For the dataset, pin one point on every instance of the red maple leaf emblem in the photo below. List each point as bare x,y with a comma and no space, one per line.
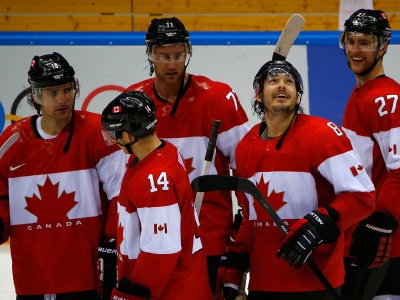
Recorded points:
188,165
49,207
274,199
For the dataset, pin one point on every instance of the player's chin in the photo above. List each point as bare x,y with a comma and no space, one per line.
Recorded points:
357,68
171,75
62,111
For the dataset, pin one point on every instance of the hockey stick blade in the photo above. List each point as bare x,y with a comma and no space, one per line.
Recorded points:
289,34
7,144
208,183
212,142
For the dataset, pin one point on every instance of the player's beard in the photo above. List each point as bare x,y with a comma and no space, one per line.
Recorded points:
175,79
361,68
280,109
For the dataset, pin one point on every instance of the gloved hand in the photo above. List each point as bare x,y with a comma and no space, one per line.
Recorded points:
235,226
307,234
371,241
230,273
127,290
106,269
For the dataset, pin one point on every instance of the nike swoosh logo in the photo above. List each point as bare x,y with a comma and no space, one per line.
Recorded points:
14,168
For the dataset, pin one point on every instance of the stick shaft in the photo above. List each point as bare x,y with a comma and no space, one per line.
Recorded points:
212,142
223,182
7,144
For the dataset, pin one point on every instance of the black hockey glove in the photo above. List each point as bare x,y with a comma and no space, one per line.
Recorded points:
230,274
127,290
371,241
106,269
307,234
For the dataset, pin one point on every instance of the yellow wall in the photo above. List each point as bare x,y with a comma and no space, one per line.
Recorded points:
197,15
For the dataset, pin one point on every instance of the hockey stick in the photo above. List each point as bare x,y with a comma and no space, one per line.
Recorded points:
7,144
288,36
209,183
207,161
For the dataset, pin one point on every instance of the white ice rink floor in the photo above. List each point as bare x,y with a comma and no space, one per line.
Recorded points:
7,291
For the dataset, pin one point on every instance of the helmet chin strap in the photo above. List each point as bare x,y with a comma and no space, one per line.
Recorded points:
151,68
128,146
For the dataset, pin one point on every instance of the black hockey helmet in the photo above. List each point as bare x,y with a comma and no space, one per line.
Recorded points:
166,31
272,67
368,21
133,112
50,70
163,32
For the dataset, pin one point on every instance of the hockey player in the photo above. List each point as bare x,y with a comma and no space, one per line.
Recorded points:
305,167
52,182
160,251
372,122
186,107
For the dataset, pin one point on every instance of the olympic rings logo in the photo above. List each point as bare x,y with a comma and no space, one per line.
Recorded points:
13,115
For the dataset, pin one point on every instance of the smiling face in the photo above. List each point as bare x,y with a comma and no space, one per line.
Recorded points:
362,50
279,94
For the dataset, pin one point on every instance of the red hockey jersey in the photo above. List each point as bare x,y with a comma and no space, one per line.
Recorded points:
50,202
372,122
158,243
189,130
314,167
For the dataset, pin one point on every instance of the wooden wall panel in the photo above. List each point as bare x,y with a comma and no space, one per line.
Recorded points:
255,23
243,23
66,23
233,6
197,15
78,6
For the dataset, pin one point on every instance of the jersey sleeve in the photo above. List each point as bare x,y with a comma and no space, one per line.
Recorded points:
383,113
234,125
4,191
338,164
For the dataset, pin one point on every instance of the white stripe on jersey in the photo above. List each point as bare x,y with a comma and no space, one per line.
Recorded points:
193,147
130,244
300,198
389,143
82,183
167,241
363,147
109,165
231,137
342,178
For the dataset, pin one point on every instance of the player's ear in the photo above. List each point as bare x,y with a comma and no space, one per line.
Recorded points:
34,98
258,95
384,49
